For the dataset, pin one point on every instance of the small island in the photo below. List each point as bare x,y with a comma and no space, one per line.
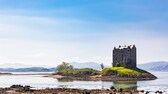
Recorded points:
124,68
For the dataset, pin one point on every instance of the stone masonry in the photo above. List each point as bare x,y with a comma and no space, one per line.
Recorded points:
124,56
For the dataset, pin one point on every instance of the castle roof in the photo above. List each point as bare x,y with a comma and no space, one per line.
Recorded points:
125,46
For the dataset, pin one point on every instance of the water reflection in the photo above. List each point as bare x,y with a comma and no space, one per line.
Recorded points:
116,84
125,84
65,80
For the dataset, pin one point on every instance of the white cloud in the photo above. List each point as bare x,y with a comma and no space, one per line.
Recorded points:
40,40
38,55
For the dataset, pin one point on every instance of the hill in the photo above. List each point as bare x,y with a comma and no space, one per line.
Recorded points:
155,66
31,69
19,65
76,65
92,65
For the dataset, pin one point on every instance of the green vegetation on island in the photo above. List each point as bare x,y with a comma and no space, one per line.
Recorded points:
114,73
123,70
66,69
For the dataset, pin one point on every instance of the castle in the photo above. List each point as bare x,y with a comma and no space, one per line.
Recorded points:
124,56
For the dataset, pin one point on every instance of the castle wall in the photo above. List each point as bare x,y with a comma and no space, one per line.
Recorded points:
125,57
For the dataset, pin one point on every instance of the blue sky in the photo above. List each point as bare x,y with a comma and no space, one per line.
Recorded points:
49,32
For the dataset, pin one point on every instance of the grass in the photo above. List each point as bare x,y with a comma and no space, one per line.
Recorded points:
86,71
125,87
118,70
125,82
83,71
123,70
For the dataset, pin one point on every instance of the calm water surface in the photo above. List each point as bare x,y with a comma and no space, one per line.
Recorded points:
37,81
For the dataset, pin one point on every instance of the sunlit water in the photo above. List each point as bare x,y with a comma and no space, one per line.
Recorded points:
37,81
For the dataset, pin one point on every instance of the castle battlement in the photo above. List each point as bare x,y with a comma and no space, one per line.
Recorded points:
124,56
125,47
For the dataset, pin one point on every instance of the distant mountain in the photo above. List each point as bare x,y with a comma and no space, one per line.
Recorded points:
19,65
87,65
31,69
155,66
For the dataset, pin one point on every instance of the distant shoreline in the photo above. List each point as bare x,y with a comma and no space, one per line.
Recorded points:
26,74
5,73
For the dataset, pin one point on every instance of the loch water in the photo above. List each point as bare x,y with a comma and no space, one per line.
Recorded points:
38,82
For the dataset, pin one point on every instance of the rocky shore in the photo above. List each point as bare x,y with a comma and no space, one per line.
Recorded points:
19,89
145,76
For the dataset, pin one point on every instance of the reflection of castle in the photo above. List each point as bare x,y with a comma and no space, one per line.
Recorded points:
127,84
124,56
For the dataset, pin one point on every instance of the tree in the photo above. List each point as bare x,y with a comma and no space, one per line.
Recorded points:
102,66
64,66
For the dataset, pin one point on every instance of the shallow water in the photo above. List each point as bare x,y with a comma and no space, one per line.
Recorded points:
37,81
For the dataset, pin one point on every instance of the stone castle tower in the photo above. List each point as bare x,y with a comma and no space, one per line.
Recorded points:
124,56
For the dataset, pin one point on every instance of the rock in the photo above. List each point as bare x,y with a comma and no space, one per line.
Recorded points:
112,87
142,91
160,92
16,86
147,92
21,88
120,90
